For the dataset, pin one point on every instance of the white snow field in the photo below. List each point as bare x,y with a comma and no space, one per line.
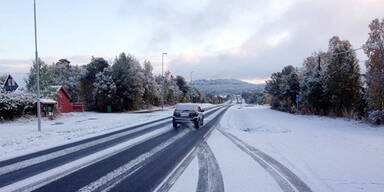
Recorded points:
328,154
21,136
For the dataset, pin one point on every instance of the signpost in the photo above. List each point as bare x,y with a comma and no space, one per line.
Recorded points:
297,102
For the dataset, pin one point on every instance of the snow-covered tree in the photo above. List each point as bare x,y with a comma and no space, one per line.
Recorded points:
88,76
283,87
273,87
151,88
172,93
312,83
104,91
374,48
66,75
343,83
129,77
44,77
195,96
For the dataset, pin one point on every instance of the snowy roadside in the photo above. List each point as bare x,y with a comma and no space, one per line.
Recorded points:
21,136
329,154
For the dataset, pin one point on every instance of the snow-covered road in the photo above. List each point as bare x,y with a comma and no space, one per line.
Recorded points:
241,148
21,136
140,142
295,153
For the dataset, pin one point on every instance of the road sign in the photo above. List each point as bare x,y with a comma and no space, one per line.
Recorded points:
297,97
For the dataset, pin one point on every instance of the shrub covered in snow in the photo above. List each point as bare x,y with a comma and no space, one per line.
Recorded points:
15,104
376,117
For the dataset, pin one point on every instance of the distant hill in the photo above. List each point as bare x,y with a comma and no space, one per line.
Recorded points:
225,86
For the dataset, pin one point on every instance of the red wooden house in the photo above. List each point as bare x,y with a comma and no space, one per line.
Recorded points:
63,99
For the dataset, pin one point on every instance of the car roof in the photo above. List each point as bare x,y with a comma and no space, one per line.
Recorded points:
186,106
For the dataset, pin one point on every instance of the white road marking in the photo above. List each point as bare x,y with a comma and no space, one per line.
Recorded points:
29,162
51,175
127,167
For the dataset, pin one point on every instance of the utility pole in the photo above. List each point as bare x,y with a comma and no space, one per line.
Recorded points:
162,74
37,73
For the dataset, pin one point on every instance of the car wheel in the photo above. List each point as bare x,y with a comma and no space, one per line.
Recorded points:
197,124
174,124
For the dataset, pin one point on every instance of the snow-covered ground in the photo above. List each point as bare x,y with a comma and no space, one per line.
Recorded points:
328,154
21,136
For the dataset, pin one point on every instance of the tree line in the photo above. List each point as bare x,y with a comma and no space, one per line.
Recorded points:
124,84
331,82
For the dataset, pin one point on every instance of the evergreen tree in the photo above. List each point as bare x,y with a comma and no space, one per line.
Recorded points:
88,79
312,83
273,87
183,87
343,85
129,77
104,91
44,77
290,87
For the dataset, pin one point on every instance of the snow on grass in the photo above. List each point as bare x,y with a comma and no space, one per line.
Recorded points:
329,154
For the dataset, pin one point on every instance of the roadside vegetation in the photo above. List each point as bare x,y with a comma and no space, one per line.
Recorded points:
331,83
124,85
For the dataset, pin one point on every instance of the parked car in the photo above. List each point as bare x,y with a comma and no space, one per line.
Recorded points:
188,113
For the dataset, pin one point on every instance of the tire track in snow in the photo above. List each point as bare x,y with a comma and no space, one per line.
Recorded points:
167,184
210,177
287,180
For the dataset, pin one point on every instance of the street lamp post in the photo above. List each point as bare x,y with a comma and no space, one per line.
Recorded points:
162,74
37,72
191,75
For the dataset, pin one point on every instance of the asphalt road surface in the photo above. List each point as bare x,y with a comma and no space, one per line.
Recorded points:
140,167
147,157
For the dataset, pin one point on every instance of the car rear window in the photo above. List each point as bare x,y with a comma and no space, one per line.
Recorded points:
181,107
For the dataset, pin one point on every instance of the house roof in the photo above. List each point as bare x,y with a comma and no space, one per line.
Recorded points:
57,88
47,101
6,80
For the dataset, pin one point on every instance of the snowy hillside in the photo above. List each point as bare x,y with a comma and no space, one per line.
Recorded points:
224,86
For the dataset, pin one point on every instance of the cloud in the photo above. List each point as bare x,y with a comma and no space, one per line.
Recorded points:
244,39
301,30
175,23
14,65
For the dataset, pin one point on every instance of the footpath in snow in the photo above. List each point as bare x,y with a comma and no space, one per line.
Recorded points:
327,154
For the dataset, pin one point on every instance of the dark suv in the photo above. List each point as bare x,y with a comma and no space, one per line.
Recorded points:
188,113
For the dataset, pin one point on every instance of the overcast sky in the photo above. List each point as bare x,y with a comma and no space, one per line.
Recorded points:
242,39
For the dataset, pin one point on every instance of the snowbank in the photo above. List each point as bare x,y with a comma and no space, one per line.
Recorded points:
329,154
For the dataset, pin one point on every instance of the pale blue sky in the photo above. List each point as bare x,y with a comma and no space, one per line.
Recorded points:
244,39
